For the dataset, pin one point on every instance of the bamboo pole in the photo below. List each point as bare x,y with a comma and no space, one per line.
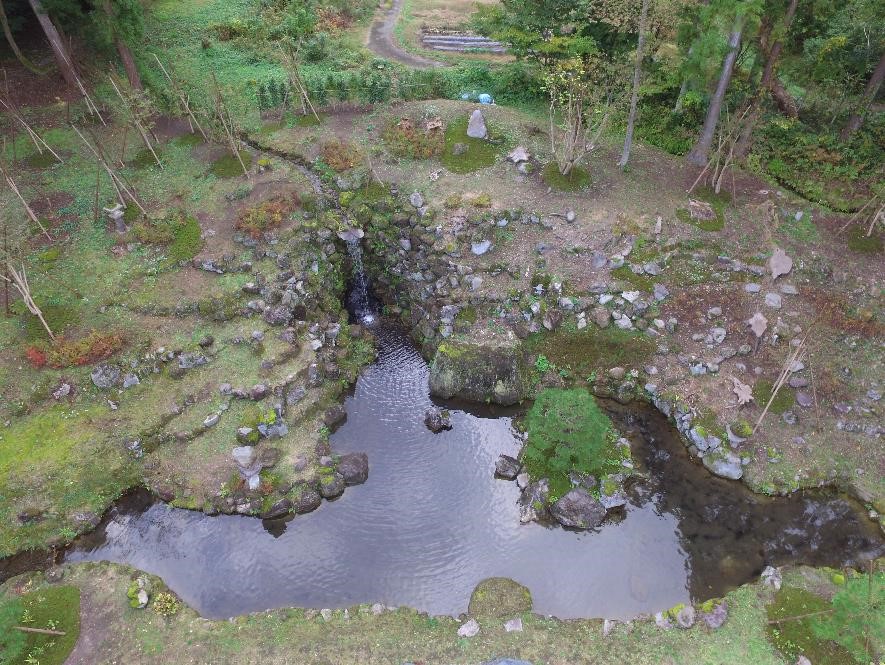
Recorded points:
11,183
135,121
185,104
40,631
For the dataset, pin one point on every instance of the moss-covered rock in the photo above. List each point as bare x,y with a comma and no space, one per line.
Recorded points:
491,368
499,597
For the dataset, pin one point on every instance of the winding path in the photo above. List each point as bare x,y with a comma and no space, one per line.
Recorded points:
383,42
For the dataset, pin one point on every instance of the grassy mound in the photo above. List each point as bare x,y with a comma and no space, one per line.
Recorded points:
499,597
52,608
229,166
188,140
577,179
477,153
569,432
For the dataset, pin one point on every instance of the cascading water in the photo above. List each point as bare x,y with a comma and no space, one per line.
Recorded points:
359,301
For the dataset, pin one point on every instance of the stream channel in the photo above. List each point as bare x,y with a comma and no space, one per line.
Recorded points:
432,521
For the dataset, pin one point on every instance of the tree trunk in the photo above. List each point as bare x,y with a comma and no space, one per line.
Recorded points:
768,73
701,151
637,75
26,63
122,48
62,57
855,120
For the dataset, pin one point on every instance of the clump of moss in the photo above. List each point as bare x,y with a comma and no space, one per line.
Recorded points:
796,637
188,139
143,160
470,154
186,243
741,427
638,282
860,243
467,315
50,256
229,166
40,160
762,391
59,318
717,201
569,432
577,179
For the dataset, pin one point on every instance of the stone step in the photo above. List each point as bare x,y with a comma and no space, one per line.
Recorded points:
456,38
465,48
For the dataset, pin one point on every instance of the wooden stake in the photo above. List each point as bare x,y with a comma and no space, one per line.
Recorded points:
11,183
192,119
135,121
41,631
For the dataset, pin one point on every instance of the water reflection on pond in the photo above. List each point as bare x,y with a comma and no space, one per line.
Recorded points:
432,521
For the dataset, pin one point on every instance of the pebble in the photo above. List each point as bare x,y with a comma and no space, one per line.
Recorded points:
798,382
469,629
773,300
790,418
804,399
660,292
513,625
789,289
874,394
713,312
605,298
211,420
752,287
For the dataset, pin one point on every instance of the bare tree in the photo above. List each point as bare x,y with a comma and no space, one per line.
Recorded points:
637,76
699,155
62,56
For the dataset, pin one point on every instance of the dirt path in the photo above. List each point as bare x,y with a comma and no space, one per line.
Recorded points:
383,42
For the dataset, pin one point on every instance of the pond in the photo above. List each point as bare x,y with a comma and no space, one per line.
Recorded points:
432,521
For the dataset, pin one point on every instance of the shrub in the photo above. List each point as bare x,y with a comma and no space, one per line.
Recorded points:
340,155
165,604
267,215
65,352
577,179
568,432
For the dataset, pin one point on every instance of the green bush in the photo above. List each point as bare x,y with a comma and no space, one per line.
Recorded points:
568,432
577,179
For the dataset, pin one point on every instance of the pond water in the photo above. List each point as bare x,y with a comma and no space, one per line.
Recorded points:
432,521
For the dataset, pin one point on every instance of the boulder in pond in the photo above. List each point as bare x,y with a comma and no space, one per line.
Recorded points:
331,485
489,367
354,468
280,508
533,500
499,597
507,467
724,463
307,501
437,420
577,509
476,126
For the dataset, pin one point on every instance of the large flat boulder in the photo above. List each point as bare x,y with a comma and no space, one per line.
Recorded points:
577,509
487,368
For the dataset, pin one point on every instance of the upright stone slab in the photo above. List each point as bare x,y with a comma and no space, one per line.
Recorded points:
476,128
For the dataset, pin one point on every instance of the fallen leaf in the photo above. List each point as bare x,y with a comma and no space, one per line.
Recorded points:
743,391
758,324
779,263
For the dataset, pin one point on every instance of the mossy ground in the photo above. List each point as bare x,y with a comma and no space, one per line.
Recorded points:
577,179
719,202
861,243
762,391
278,637
582,352
480,153
229,166
54,608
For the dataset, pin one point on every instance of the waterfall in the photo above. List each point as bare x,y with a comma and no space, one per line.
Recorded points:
359,294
